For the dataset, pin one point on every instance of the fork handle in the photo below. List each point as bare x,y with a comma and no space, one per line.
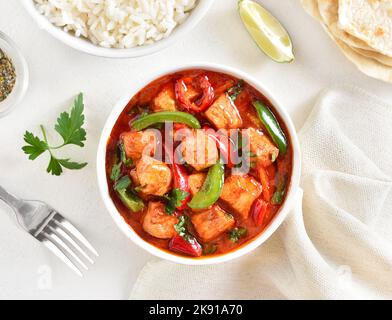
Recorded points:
9,199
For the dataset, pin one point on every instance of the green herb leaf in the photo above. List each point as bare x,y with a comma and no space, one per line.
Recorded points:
237,233
280,192
68,164
35,146
139,111
235,91
278,196
122,183
54,167
209,248
182,229
175,197
182,226
124,159
69,126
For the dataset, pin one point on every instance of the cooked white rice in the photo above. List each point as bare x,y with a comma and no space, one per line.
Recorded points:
117,23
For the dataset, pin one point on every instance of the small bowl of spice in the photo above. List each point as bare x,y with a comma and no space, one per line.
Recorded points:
13,75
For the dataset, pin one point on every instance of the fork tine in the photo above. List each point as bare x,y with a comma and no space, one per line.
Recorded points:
65,248
68,246
72,231
47,242
61,233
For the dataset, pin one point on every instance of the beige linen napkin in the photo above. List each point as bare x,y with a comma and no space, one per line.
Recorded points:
337,241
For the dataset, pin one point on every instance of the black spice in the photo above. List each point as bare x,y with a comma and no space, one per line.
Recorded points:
7,76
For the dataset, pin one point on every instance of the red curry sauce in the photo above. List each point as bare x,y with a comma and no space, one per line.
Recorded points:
220,83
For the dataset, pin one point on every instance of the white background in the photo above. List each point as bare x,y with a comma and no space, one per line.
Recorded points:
58,73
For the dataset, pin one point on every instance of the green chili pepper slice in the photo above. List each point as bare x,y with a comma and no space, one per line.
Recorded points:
211,189
272,125
130,200
165,116
127,196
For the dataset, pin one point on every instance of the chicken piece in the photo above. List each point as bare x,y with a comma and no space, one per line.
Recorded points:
165,100
212,222
134,177
191,93
223,113
199,150
239,192
263,151
138,143
157,223
196,181
248,112
154,176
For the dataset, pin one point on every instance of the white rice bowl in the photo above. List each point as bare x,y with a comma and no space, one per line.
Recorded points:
119,24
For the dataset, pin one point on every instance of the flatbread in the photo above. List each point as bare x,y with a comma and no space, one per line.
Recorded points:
357,50
311,7
374,55
368,66
329,12
370,21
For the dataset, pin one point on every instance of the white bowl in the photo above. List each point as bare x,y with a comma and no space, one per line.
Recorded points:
88,47
17,94
252,244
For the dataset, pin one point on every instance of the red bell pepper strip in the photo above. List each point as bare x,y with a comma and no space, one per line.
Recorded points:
181,182
200,82
181,179
190,246
223,143
264,179
259,211
223,88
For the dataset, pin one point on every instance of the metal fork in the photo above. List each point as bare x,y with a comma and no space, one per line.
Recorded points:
53,230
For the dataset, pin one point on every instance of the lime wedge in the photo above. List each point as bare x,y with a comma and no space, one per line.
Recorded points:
271,37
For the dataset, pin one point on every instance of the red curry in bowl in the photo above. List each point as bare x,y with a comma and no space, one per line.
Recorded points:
198,163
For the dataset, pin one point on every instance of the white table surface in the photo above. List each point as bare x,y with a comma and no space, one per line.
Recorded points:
58,73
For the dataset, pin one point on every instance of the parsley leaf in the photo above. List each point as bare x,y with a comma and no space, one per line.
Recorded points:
69,126
280,192
116,168
278,196
209,248
182,229
175,198
138,111
127,162
235,91
182,226
54,167
68,164
35,146
237,233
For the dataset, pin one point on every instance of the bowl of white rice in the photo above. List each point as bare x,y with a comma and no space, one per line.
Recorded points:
117,28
